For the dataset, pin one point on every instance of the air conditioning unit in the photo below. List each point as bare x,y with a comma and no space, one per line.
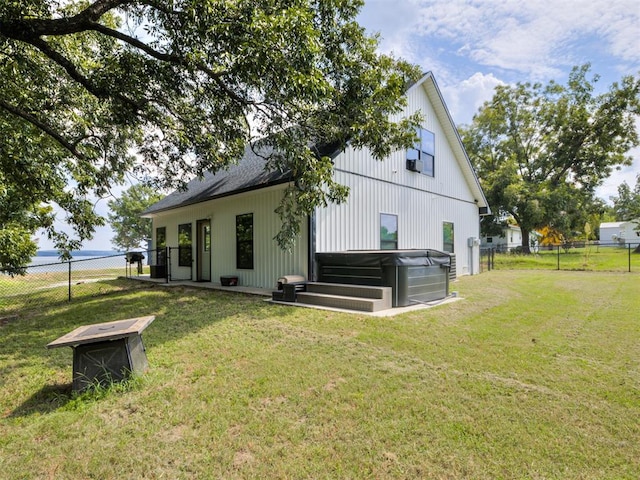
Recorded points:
414,165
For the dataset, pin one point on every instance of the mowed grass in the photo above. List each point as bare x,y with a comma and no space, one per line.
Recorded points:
42,288
530,375
591,258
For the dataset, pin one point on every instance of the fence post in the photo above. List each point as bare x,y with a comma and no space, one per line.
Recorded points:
69,280
629,248
558,257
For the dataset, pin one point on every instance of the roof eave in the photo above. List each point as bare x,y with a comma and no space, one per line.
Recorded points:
153,213
428,80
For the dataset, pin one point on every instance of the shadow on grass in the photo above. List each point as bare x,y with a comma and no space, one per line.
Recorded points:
179,312
46,400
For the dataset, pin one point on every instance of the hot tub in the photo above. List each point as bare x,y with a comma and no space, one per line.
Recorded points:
415,276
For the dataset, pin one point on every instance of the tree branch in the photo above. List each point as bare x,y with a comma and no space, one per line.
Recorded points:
66,64
44,127
165,57
31,31
73,72
26,29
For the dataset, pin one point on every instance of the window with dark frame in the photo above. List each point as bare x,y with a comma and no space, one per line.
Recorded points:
184,245
161,244
244,241
447,237
424,151
388,231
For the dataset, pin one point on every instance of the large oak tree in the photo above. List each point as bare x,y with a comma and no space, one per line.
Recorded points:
541,151
167,90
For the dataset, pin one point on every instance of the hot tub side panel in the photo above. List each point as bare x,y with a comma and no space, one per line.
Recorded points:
414,276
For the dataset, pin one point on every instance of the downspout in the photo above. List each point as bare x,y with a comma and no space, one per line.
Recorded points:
311,247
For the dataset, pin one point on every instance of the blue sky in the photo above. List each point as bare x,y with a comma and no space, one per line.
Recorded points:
472,46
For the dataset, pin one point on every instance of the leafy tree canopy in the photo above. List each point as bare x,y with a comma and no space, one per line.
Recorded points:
540,151
92,90
131,229
626,206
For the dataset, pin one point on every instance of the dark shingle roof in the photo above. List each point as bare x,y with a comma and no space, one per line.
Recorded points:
248,174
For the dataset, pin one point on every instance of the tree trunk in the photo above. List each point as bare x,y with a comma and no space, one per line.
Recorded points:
526,247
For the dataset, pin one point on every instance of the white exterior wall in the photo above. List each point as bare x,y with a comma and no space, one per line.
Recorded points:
622,232
512,239
270,262
422,203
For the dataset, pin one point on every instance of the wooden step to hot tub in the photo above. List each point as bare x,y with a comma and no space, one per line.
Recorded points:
350,297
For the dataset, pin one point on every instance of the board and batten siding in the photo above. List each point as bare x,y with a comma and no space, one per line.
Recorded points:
422,203
270,262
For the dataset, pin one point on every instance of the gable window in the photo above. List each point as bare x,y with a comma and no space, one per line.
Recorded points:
388,232
421,158
184,245
244,241
447,237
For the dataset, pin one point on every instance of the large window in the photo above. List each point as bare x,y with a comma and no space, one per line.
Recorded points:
184,245
244,241
424,151
388,232
447,237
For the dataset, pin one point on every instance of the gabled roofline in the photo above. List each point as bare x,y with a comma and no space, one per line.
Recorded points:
151,212
444,116
256,180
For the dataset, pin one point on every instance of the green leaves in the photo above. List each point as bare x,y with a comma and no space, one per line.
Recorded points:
95,90
131,230
626,204
540,151
16,248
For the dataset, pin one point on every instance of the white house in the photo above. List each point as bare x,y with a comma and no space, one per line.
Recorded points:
619,232
510,239
423,198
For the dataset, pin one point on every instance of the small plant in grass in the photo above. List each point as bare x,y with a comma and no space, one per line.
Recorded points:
98,389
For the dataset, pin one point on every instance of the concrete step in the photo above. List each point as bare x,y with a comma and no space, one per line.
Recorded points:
360,291
345,302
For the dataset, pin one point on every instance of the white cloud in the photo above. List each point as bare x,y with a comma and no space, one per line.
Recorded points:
395,21
538,37
473,45
466,97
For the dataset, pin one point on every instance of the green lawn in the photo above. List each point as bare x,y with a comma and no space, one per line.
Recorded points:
532,374
43,287
592,258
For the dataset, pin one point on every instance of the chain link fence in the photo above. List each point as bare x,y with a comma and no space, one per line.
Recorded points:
595,256
48,281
